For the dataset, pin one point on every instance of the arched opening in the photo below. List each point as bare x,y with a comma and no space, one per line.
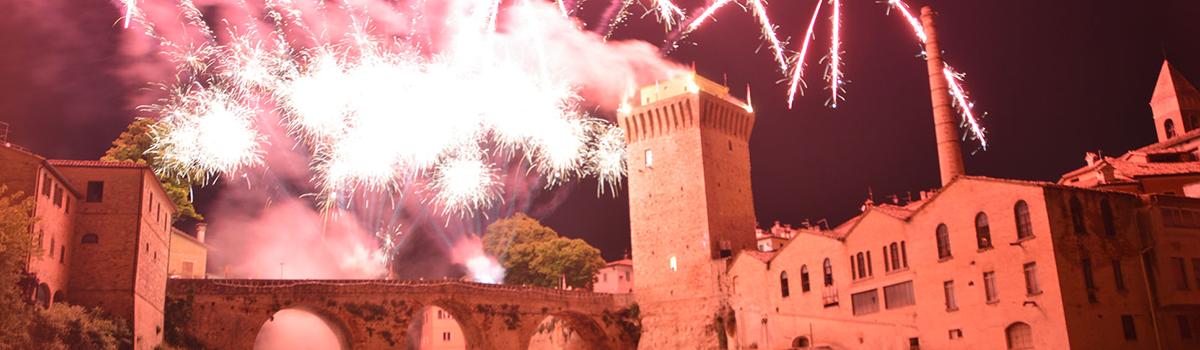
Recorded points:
983,233
804,278
298,328
435,328
566,331
59,297
1169,128
1024,224
42,296
1106,215
1077,221
800,342
943,242
1019,335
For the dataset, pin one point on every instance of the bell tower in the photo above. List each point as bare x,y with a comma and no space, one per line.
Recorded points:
1176,104
690,205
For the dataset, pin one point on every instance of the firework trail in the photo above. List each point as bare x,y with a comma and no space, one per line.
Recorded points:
614,16
768,32
834,74
962,101
798,63
708,12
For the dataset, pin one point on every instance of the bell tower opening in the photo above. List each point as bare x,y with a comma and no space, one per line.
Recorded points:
1176,104
690,203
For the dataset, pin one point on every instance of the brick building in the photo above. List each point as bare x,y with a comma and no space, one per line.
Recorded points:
103,229
1108,257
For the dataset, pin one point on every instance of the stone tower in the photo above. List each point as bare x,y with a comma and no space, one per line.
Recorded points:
690,206
1176,104
950,161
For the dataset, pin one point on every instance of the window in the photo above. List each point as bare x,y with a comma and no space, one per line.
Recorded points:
865,302
804,278
1088,280
604,277
51,250
95,191
1185,327
989,287
983,234
187,267
62,254
862,266
1106,215
951,303
1024,224
1169,128
886,265
783,284
1181,281
674,265
1019,335
828,269
1077,216
895,250
899,295
1118,275
1129,327
649,159
91,238
58,196
956,334
46,185
943,242
445,336
1031,281
1196,270
870,271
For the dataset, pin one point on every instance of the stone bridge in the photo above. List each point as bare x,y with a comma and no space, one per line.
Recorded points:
376,314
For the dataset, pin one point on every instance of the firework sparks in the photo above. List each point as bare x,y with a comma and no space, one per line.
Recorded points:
668,13
208,132
704,16
835,54
129,8
464,184
768,33
798,63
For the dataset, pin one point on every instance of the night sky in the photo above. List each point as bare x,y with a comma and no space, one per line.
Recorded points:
1056,78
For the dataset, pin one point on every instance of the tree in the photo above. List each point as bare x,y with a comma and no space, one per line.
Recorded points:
533,254
131,146
16,245
72,327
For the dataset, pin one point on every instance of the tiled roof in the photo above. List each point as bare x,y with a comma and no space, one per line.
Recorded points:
620,262
94,164
1128,170
895,211
761,256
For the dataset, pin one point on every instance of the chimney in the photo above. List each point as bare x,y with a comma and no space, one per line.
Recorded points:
201,229
945,126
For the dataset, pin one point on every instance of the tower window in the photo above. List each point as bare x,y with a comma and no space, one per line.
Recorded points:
1169,128
95,191
91,238
1129,327
649,159
674,264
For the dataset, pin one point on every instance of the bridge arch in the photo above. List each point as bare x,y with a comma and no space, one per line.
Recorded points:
443,316
301,327
567,330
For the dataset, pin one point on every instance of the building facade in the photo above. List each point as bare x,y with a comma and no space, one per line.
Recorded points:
1108,257
103,231
615,278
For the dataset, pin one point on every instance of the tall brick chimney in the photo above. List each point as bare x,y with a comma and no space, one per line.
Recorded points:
945,126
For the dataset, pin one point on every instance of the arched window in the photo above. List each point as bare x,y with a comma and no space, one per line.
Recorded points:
983,234
1019,336
59,297
804,278
91,238
943,241
1106,214
1077,216
43,295
800,342
783,284
1024,225
1169,128
828,272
